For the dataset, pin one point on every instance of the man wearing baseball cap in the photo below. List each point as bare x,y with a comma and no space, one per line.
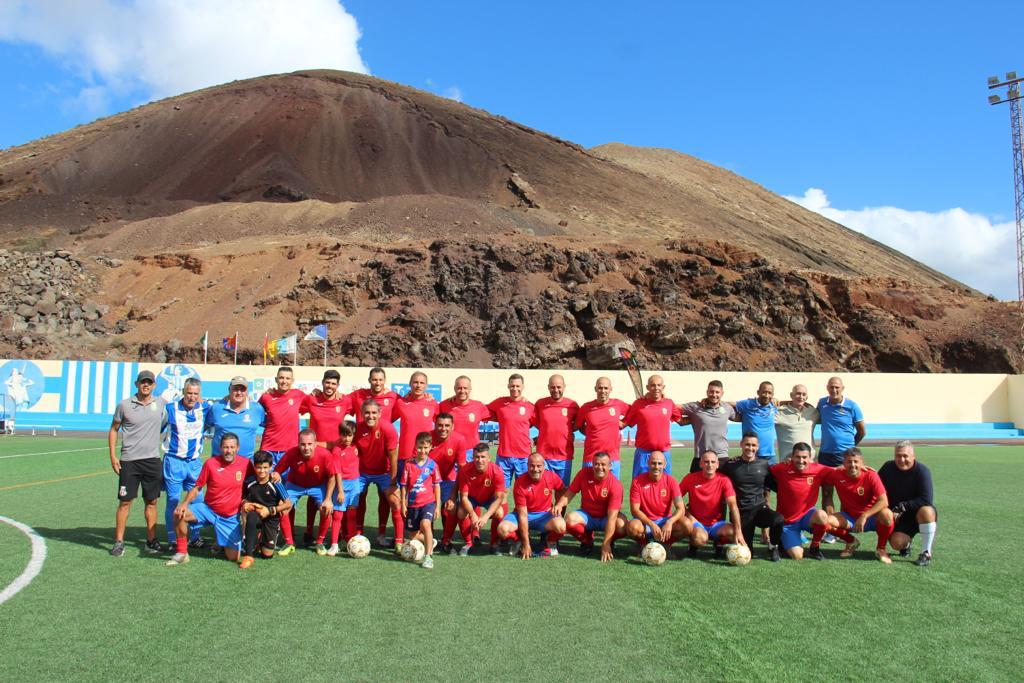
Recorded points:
236,414
140,419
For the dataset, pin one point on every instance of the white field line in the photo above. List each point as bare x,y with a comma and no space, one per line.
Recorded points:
73,450
35,563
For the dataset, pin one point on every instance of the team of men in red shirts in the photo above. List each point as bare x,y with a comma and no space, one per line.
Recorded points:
334,462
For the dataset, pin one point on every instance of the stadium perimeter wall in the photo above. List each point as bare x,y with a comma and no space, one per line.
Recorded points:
83,393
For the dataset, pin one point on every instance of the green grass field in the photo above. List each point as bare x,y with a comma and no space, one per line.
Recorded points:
89,616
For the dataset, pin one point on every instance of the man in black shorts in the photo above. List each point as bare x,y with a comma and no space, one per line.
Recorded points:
750,478
908,485
140,419
263,503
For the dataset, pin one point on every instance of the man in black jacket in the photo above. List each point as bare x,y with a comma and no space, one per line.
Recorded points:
908,485
751,478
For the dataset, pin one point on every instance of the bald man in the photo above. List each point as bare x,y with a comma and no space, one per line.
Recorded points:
652,415
467,412
794,423
555,419
600,421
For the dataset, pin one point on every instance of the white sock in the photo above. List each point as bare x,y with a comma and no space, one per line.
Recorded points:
927,536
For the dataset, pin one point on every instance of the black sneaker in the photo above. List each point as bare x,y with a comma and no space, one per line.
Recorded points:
692,551
307,539
905,552
153,547
503,546
814,553
496,550
773,554
923,560
197,543
118,549
446,548
586,549
719,552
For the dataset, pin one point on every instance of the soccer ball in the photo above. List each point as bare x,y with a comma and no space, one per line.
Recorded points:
358,546
654,554
413,551
738,555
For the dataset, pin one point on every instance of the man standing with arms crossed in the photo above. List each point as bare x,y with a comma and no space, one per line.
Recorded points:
141,418
600,421
710,421
555,419
652,416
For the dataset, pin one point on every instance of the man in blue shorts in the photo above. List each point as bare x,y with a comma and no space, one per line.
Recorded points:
601,498
236,414
758,417
798,483
656,504
534,494
183,449
224,478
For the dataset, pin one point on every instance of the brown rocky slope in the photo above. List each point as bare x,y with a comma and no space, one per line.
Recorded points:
425,232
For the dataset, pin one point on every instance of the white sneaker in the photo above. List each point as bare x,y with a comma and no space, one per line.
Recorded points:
829,538
515,549
333,550
428,562
434,547
176,559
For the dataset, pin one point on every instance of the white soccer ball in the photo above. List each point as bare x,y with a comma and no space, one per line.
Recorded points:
738,555
654,554
414,551
358,546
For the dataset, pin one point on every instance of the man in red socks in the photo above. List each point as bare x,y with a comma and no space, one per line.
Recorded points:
865,506
600,421
305,470
481,486
376,442
327,408
798,482
656,504
448,450
341,500
555,420
466,412
534,494
282,406
708,494
600,501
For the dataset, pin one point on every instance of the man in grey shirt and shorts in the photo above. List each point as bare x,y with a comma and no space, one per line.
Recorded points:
710,421
140,419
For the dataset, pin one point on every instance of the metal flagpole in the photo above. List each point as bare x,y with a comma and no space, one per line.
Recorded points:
206,346
325,348
236,347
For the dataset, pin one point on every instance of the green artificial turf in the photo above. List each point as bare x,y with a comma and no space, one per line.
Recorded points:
89,616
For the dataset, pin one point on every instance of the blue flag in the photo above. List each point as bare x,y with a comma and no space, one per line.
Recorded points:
318,333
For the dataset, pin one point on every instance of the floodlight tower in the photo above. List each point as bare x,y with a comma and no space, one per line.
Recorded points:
1013,98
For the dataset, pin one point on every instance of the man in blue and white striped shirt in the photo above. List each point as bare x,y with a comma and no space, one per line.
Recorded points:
183,446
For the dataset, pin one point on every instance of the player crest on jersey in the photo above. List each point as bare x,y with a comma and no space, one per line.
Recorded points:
238,476
450,451
387,401
337,409
664,411
426,412
565,412
487,482
604,493
291,401
611,411
376,434
152,407
245,418
810,481
316,468
522,410
860,490
472,417
664,492
547,491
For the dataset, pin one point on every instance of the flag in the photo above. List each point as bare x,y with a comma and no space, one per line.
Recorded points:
270,348
286,344
318,333
230,343
204,340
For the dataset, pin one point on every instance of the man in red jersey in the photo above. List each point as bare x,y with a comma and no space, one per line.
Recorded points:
657,506
513,413
481,486
555,420
600,501
652,416
282,406
326,407
708,494
223,476
448,450
376,442
798,482
600,421
865,505
305,469
379,392
467,412
414,413
534,494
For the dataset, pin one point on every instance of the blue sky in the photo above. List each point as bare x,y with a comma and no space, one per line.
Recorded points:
872,113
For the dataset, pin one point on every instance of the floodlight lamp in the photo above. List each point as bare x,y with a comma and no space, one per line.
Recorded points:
993,80
1011,75
993,99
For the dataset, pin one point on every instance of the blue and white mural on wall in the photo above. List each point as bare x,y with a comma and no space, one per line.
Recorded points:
171,381
95,387
22,382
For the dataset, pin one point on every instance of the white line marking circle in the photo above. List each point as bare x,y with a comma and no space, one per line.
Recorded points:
73,450
35,564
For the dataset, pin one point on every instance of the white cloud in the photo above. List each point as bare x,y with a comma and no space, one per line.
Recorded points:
963,245
452,92
167,47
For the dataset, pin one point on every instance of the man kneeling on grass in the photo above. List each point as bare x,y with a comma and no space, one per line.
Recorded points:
265,502
223,476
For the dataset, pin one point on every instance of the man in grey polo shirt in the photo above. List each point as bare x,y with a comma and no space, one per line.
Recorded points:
794,423
140,419
710,421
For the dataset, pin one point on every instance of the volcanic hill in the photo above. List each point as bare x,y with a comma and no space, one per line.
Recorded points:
425,232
